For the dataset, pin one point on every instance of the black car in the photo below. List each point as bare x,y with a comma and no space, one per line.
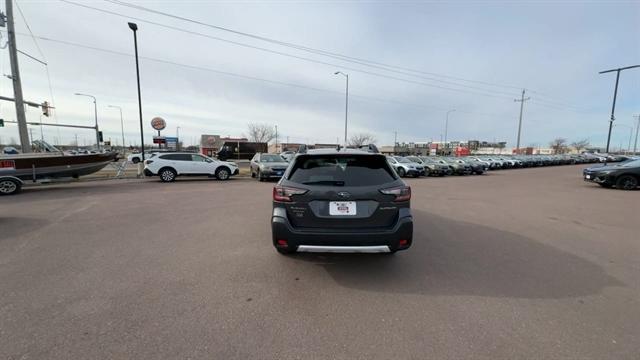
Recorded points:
341,200
476,167
624,176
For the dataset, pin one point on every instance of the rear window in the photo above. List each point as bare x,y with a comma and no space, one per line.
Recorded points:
341,170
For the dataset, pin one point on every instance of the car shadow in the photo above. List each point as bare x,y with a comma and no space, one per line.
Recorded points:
451,257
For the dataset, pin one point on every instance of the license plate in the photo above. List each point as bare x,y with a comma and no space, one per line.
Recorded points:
344,208
587,176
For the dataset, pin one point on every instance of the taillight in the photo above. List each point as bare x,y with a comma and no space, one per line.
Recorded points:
147,162
284,193
402,193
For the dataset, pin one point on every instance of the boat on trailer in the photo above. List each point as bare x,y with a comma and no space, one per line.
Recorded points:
52,163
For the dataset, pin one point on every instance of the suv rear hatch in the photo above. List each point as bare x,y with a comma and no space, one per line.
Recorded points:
343,191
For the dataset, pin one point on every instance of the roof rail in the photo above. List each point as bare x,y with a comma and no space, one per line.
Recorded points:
302,149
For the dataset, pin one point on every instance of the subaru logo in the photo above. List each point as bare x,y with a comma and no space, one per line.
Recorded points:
344,194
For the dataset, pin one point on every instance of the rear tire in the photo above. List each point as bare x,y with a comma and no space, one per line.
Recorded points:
167,175
10,187
135,160
223,173
627,182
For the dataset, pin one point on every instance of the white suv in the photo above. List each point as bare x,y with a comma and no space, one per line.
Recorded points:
170,165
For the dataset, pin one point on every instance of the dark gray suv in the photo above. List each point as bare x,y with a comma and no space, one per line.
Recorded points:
343,200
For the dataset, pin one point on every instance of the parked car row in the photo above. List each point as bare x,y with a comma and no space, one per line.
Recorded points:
479,164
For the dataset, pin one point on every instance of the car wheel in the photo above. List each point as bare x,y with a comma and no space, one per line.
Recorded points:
167,175
135,160
401,172
253,175
223,173
627,182
10,187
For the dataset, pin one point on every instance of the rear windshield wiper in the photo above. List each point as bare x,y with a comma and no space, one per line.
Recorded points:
325,182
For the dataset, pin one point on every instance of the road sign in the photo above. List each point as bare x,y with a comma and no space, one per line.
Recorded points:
159,140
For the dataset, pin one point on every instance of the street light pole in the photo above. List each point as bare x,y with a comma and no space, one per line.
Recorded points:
95,111
446,127
121,124
134,28
346,105
635,144
178,138
276,138
615,95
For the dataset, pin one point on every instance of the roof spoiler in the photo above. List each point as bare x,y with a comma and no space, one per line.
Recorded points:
370,148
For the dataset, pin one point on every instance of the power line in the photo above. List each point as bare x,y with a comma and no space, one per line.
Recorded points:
247,77
481,91
378,65
306,48
46,65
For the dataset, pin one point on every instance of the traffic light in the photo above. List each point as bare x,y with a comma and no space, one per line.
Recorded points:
45,108
100,136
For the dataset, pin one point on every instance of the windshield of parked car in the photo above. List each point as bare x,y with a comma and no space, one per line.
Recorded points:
341,170
403,160
272,158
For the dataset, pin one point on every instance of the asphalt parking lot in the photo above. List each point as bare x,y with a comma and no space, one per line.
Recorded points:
530,263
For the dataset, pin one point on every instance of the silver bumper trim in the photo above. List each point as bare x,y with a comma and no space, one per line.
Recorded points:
344,249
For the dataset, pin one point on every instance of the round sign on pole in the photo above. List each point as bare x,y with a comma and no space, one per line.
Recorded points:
158,123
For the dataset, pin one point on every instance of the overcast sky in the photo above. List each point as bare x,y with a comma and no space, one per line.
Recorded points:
554,49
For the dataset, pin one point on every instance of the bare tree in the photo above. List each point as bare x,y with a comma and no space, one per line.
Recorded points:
260,132
580,144
361,139
559,145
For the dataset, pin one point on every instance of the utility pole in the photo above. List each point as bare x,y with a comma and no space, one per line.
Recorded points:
15,79
395,141
635,144
521,101
446,128
615,95
346,104
276,138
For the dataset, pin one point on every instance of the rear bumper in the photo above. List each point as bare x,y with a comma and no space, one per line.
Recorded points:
338,239
148,172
